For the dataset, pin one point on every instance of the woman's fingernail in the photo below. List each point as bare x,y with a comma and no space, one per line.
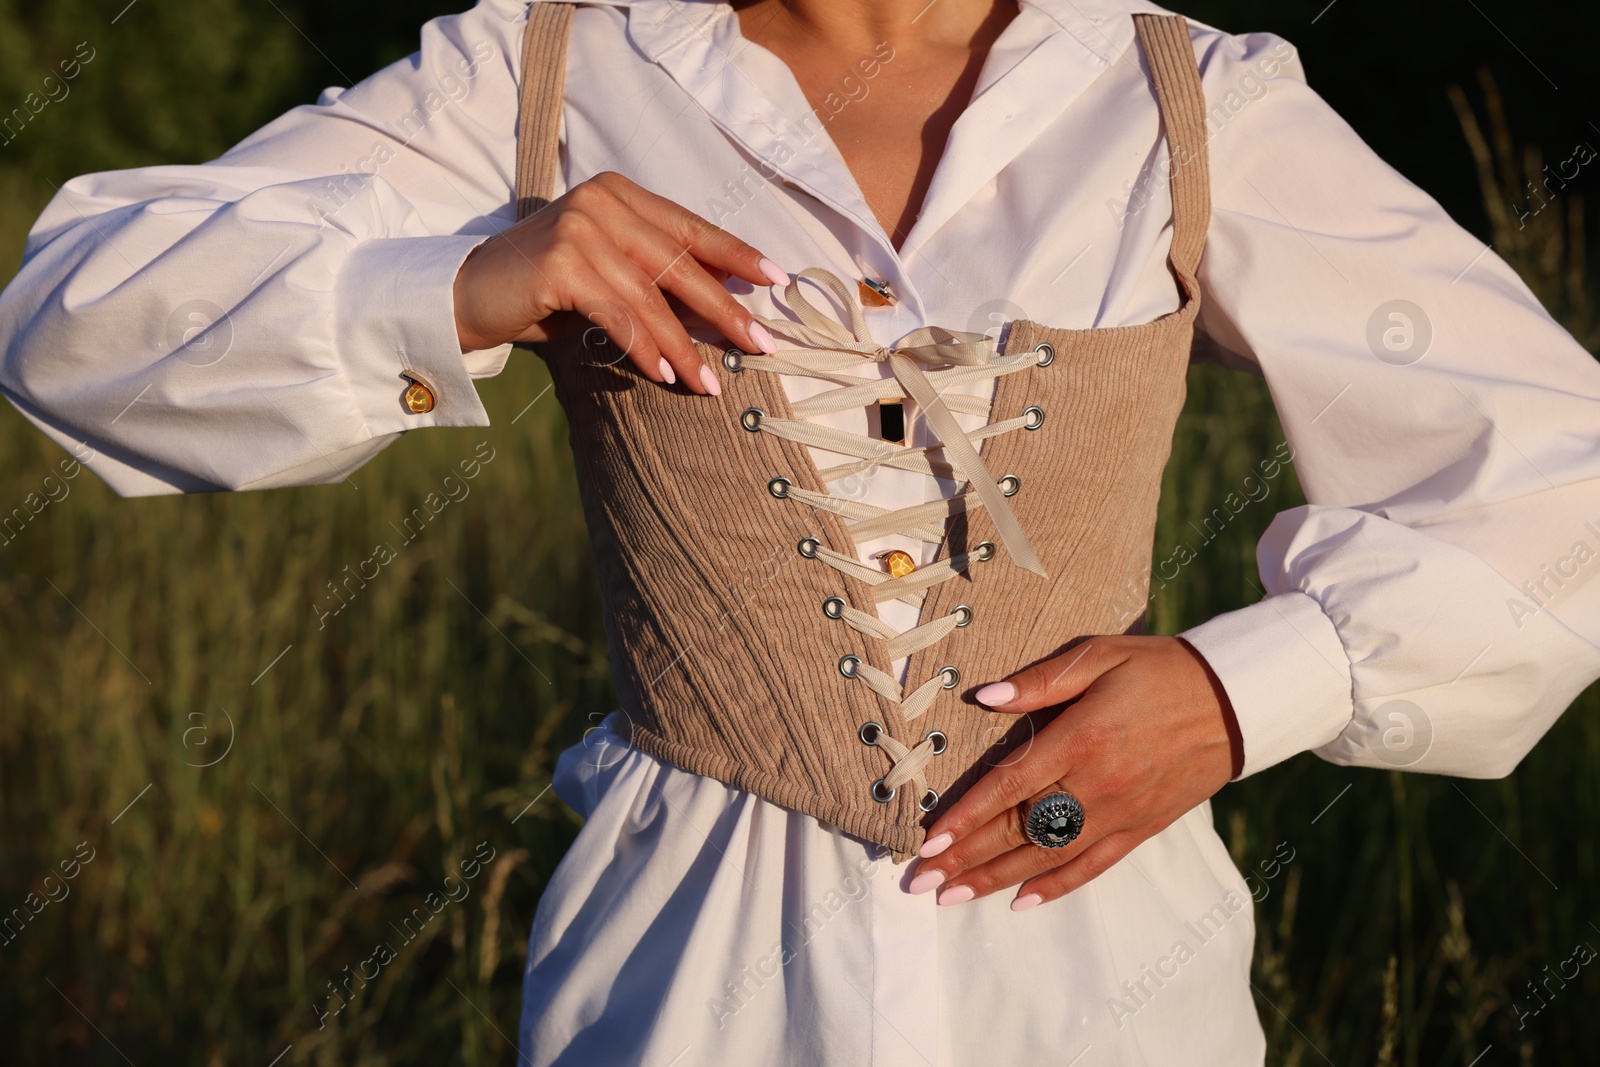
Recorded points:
996,693
667,372
763,339
770,269
1026,901
956,894
935,845
925,881
709,380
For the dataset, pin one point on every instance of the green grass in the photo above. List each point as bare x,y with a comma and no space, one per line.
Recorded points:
371,758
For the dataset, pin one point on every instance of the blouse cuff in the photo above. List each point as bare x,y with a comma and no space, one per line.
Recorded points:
1285,671
395,311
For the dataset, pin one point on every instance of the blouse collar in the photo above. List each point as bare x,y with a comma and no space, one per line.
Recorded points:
1047,64
1100,26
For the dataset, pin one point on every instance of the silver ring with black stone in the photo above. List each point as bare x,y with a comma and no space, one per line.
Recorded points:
1054,820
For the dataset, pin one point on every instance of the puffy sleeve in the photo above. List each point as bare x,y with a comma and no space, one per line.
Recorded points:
246,322
1435,605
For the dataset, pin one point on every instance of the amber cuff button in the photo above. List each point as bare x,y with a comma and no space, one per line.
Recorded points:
419,395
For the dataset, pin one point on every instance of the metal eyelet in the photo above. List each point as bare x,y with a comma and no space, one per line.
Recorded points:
1033,417
750,419
849,666
1010,485
940,741
733,359
808,546
963,613
881,793
833,607
870,732
929,801
983,551
779,487
1046,353
951,676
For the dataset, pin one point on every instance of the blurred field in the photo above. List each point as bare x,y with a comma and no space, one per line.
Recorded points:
352,767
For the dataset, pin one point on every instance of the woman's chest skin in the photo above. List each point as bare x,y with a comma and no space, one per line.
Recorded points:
893,130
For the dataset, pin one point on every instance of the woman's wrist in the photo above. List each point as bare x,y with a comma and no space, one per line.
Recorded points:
1230,721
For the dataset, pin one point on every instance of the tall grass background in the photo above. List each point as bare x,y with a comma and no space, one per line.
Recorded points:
367,758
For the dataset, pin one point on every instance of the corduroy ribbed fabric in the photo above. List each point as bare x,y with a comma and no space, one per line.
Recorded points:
544,76
723,659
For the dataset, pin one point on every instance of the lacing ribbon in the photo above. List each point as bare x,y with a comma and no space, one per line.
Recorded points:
931,344
828,351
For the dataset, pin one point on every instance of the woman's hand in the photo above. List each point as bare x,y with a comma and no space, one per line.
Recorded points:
1150,736
603,254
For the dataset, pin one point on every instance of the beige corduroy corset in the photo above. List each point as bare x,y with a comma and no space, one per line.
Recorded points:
743,629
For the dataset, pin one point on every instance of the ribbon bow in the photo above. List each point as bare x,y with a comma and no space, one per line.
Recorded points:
930,344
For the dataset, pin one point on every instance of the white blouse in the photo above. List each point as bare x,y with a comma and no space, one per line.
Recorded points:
242,324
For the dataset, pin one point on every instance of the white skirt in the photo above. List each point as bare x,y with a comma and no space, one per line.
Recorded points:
693,923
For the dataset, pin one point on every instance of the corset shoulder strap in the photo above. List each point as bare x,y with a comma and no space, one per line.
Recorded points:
544,78
1170,57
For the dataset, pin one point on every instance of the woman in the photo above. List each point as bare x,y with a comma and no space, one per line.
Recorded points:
982,204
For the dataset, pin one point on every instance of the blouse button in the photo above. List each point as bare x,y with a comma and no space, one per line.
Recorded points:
898,563
419,396
875,294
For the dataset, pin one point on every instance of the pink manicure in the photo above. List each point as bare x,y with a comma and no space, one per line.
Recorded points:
996,693
935,845
763,339
667,372
709,380
773,273
1026,901
925,881
957,894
